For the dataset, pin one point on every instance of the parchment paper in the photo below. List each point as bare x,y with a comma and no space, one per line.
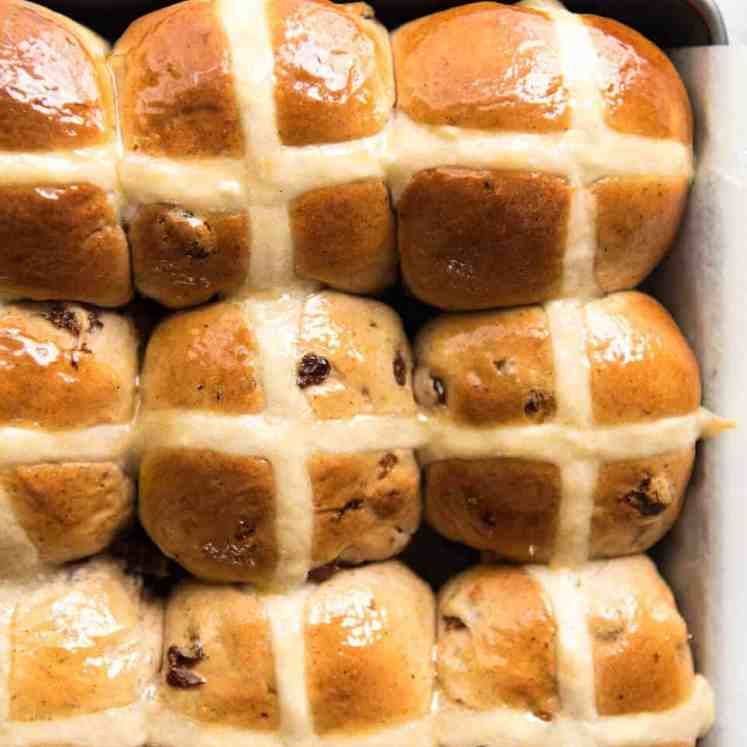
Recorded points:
704,284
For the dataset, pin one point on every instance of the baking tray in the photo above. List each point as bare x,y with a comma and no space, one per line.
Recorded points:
670,23
701,282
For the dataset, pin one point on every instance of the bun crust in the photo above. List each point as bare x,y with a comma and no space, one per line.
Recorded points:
252,400
488,87
54,93
81,643
643,94
69,511
227,632
65,367
497,641
470,237
481,375
333,72
385,677
175,84
62,242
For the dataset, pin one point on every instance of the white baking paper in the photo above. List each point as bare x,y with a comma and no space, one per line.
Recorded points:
704,284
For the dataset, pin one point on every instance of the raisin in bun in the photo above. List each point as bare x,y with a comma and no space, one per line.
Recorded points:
59,231
538,154
278,436
561,432
67,398
80,648
530,656
253,147
348,661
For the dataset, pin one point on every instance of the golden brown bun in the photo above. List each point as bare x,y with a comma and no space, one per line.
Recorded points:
344,236
366,506
386,677
642,367
491,368
176,91
62,242
65,366
82,642
637,501
640,644
225,635
637,221
506,505
498,634
181,258
71,510
496,369
370,357
220,522
643,94
460,67
213,513
54,90
203,360
474,238
333,71
496,642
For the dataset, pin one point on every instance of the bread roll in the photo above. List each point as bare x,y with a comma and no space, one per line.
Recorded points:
278,437
79,648
253,148
530,656
344,662
538,154
67,398
59,231
561,432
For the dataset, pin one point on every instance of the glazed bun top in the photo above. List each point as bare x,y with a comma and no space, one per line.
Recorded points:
80,646
178,82
346,660
537,154
593,649
506,367
459,68
54,87
65,367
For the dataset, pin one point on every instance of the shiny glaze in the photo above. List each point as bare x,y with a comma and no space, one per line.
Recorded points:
75,650
509,80
53,384
495,368
331,70
378,621
641,653
238,667
642,367
642,91
203,360
174,77
50,89
361,339
496,642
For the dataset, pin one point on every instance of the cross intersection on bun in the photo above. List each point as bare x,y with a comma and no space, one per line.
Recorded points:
278,437
523,655
537,154
259,160
561,432
532,154
254,137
